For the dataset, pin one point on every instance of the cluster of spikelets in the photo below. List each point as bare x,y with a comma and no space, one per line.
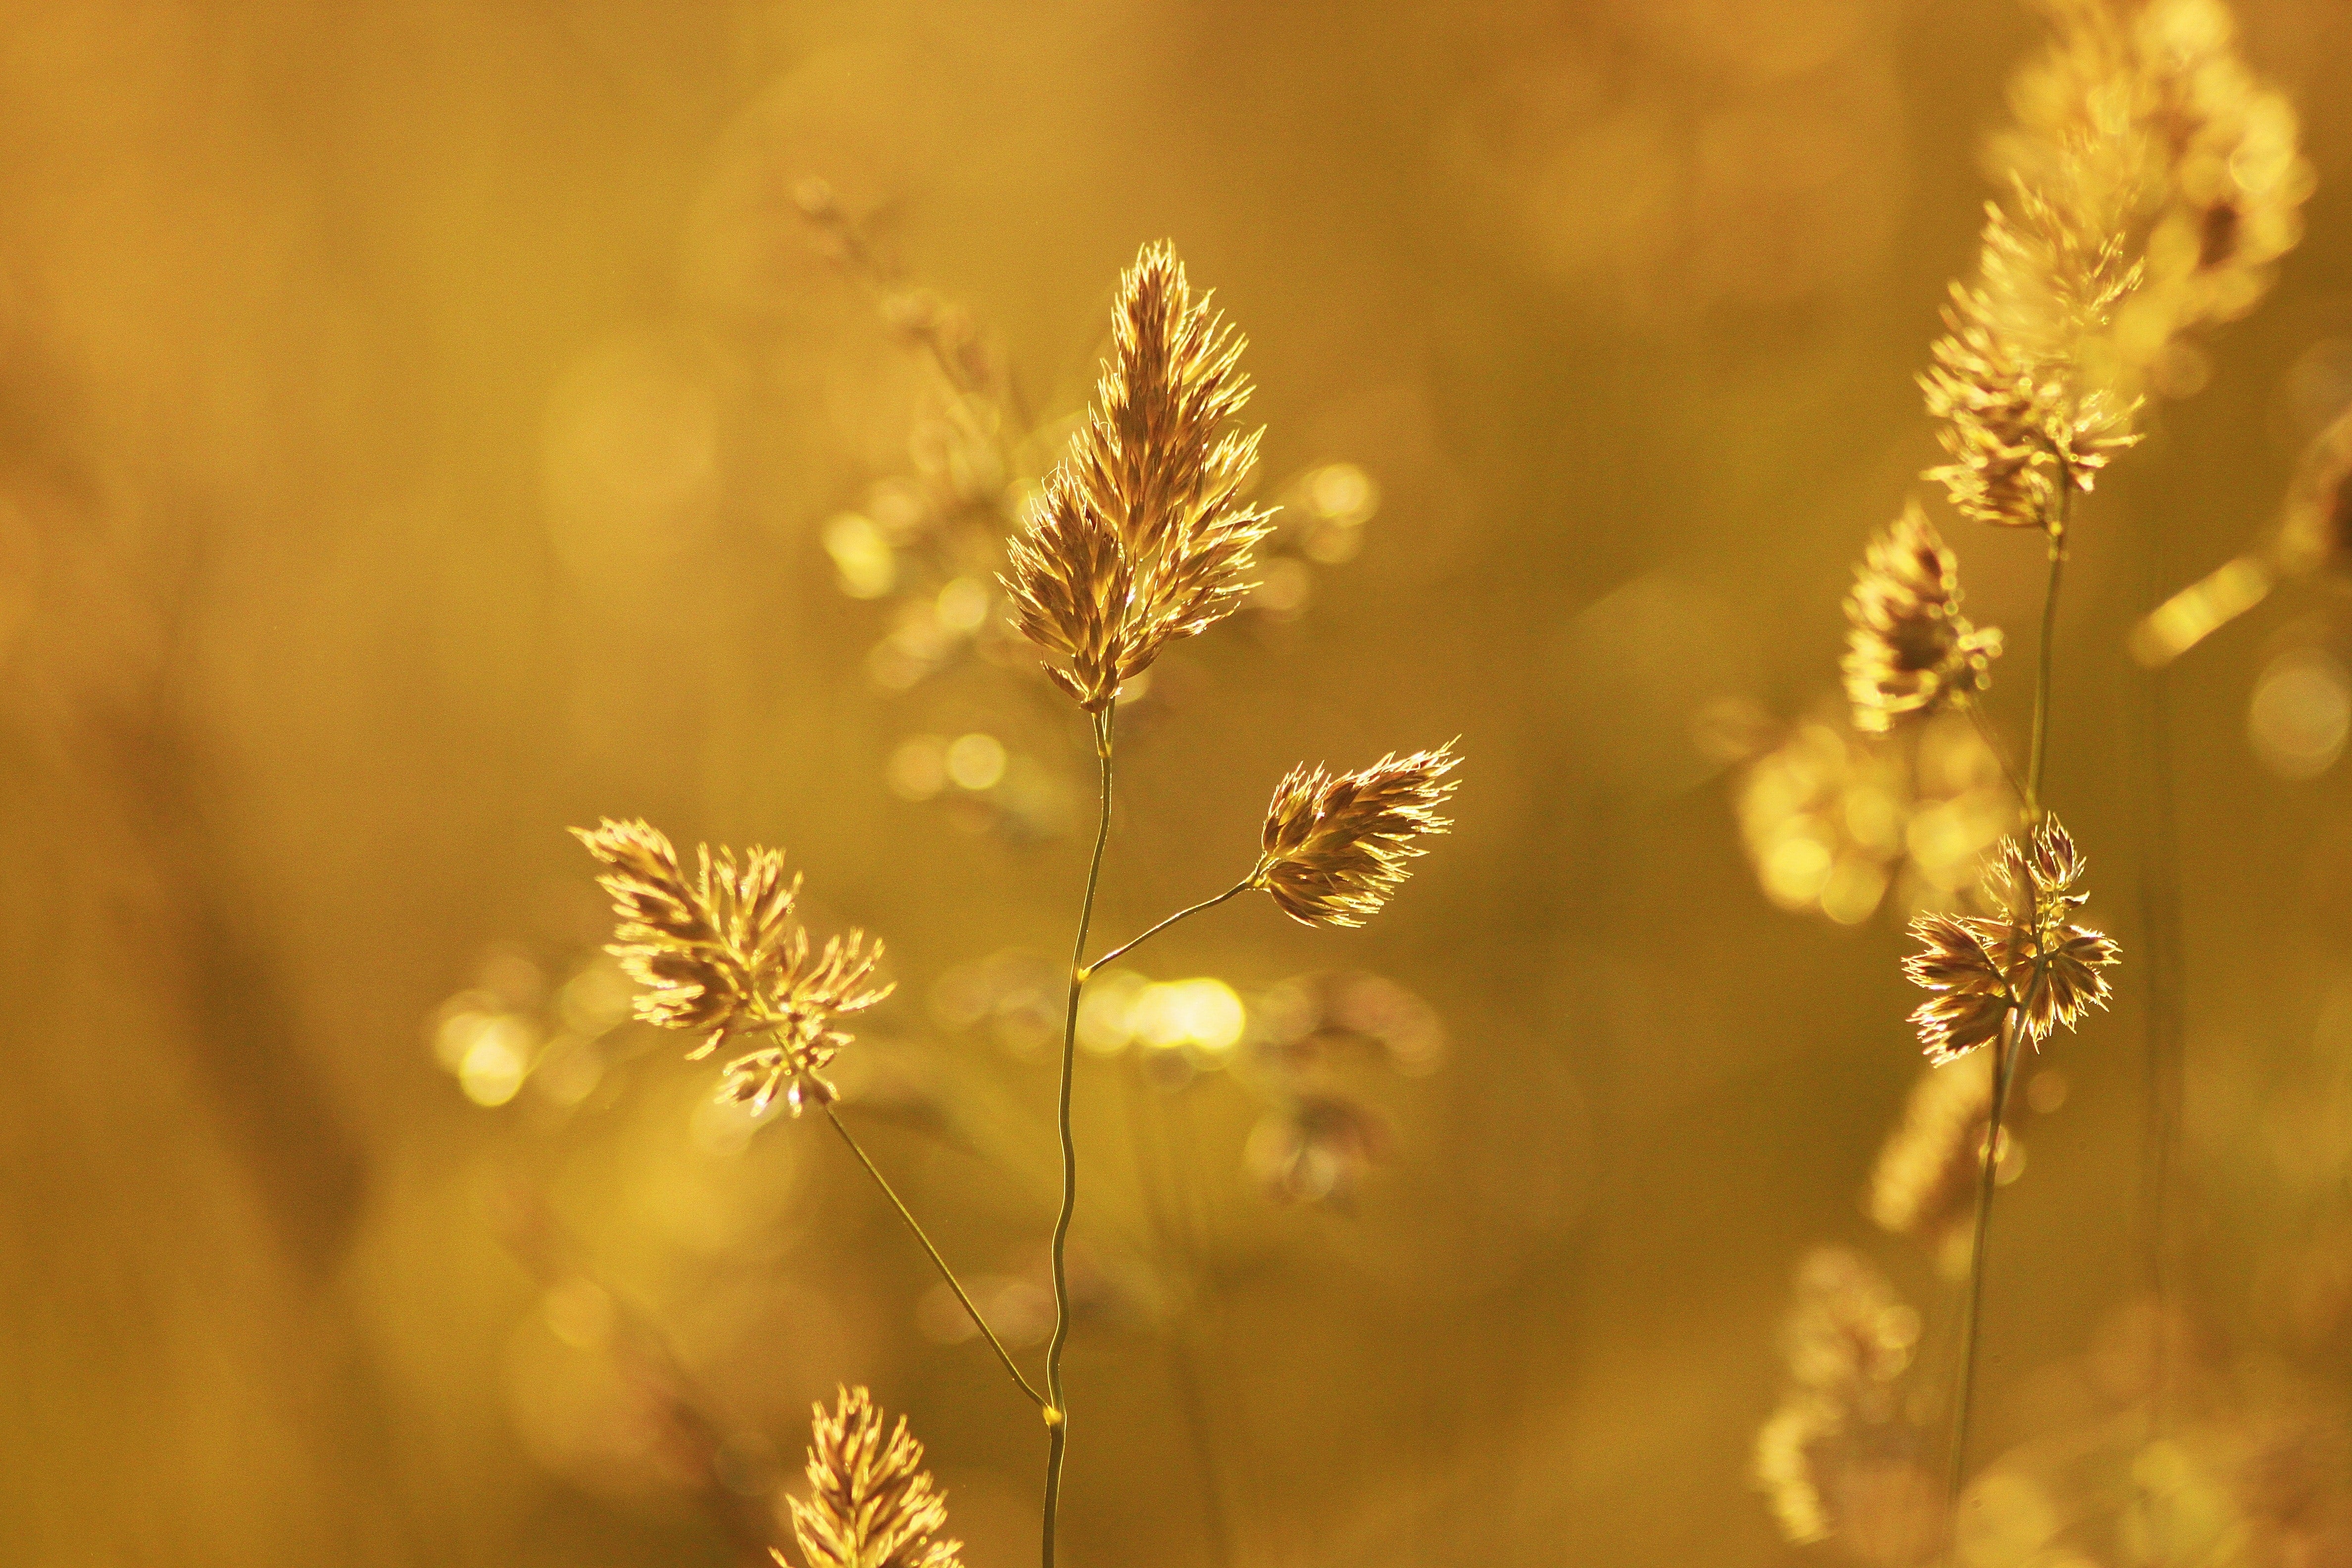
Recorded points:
1910,649
2030,961
2157,182
871,1503
2145,110
720,952
1143,534
2017,408
1335,846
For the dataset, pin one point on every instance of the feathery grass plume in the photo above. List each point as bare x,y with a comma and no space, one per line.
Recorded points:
1910,649
719,950
1143,535
2019,413
1335,845
1840,1456
2033,958
871,1503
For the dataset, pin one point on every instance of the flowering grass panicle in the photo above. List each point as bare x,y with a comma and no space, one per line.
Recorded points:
871,1502
1910,650
807,996
720,951
2017,412
2032,959
703,947
1335,846
1143,535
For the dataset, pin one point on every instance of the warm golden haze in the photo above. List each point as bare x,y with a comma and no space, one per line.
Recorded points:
425,429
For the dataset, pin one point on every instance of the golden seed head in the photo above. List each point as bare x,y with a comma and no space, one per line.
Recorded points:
871,1502
1335,846
719,950
2007,385
1910,649
1143,536
2032,959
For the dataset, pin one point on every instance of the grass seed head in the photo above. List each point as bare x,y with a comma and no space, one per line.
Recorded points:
1910,650
871,1502
720,952
2032,959
1334,847
1143,535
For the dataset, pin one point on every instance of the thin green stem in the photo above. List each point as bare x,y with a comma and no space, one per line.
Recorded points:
2049,643
1057,1410
2004,1067
1243,886
946,1273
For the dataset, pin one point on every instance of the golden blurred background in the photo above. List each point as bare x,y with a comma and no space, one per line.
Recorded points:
427,426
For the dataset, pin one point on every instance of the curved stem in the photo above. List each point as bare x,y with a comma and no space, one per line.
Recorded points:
1058,1414
1244,885
2004,1067
946,1273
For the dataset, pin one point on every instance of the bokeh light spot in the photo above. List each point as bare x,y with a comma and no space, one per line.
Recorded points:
2301,709
975,762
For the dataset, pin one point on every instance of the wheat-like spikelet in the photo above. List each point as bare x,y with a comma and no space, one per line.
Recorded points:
2032,959
871,1503
719,950
1143,535
1910,650
1335,846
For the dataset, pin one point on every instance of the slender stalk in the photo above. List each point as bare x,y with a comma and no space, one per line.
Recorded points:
2049,641
2008,1048
1057,1412
1243,886
946,1273
2004,1067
